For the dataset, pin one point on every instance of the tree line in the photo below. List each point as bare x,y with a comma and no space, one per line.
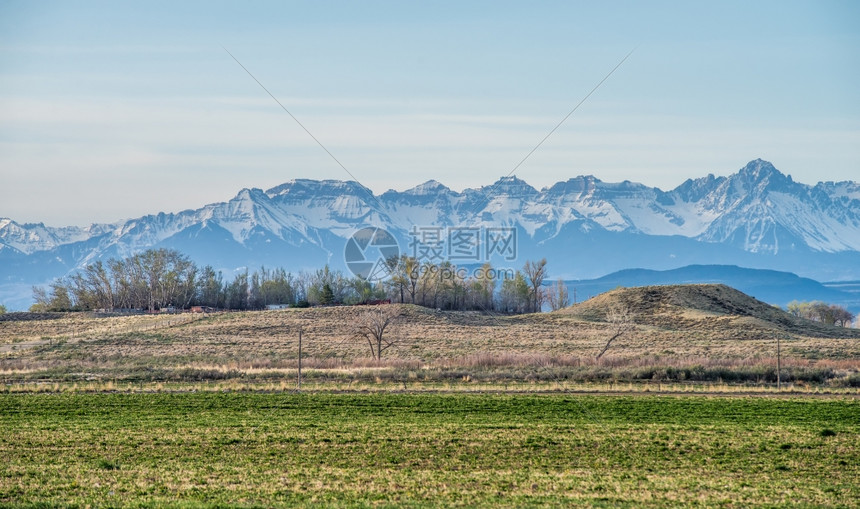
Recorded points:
152,280
830,314
485,288
160,279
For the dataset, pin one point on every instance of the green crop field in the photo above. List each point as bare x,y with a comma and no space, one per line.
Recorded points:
356,450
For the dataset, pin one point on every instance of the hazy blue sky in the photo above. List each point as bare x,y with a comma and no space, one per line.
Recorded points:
112,110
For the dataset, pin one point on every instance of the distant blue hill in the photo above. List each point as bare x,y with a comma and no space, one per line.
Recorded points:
771,286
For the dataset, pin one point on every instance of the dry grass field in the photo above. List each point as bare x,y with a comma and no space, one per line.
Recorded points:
692,333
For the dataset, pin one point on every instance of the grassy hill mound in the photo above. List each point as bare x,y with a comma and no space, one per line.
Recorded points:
700,306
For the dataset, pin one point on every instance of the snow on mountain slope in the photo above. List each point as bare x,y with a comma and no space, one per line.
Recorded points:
842,192
430,203
29,238
329,204
589,198
758,210
762,210
822,232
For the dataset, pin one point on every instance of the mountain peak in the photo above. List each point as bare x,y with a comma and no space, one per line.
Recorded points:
757,209
308,188
576,185
512,186
760,169
762,175
249,194
429,187
760,163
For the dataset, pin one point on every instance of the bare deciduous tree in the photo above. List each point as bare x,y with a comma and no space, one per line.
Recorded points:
559,298
842,316
830,314
536,273
372,326
620,318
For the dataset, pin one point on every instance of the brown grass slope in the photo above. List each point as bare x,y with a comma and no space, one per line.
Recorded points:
702,307
28,317
709,326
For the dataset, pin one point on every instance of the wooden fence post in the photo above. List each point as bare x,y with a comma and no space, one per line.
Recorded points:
299,387
778,365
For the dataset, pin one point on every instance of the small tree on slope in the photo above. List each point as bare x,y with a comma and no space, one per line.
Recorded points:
620,319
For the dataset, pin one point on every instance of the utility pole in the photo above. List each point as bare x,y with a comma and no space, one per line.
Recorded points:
778,365
574,295
299,387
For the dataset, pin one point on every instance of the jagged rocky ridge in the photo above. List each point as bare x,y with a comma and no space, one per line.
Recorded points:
757,217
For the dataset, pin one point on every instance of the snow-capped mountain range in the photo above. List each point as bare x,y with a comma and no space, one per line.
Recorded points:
757,217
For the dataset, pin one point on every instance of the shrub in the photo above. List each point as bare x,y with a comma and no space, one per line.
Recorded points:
106,464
